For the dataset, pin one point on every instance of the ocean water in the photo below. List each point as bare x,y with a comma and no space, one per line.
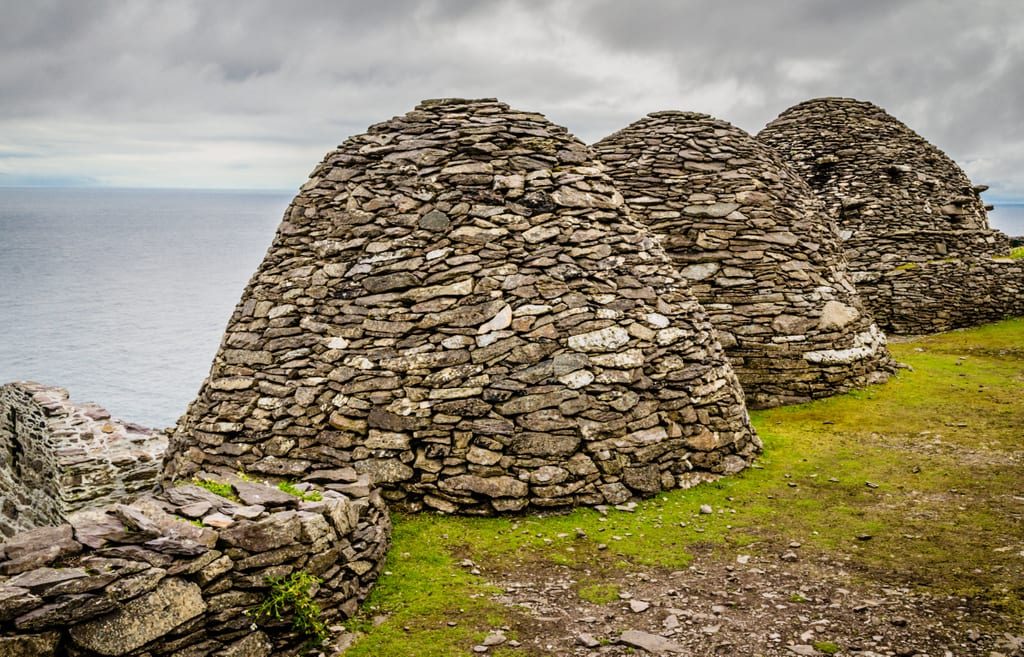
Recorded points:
122,296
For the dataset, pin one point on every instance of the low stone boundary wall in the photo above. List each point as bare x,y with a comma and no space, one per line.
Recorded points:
57,457
949,294
180,573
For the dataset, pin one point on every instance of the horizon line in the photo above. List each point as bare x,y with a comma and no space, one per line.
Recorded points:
1010,200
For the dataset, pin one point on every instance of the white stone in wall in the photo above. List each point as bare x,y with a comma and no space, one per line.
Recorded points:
606,339
836,315
866,344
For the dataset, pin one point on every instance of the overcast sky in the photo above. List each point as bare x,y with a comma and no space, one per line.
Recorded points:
251,94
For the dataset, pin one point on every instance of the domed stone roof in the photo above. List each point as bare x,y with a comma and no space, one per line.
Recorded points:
458,305
760,252
901,204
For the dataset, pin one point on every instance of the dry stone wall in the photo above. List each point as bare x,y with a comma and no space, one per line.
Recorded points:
903,208
759,250
459,306
57,457
141,580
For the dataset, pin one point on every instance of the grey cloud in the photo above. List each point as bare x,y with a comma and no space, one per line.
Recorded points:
92,79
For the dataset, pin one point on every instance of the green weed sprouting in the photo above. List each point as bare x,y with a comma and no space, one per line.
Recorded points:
216,487
291,595
289,487
1017,253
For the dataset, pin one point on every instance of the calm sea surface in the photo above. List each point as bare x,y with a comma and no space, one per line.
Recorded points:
122,296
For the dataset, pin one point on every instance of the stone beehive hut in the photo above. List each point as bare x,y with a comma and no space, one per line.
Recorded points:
459,306
760,253
915,230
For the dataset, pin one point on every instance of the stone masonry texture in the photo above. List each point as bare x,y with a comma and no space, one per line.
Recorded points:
180,573
459,306
914,227
759,250
57,457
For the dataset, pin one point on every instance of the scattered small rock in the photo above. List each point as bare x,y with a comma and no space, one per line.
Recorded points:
652,643
495,639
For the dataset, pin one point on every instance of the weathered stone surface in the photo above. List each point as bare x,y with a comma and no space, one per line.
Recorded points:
131,597
741,226
14,601
651,643
256,493
545,445
256,644
173,602
915,231
273,532
603,340
490,486
29,645
66,457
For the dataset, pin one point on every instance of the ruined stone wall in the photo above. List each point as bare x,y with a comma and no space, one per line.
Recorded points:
142,580
57,457
759,250
459,305
900,203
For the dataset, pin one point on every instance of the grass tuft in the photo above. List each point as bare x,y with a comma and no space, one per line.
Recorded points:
289,487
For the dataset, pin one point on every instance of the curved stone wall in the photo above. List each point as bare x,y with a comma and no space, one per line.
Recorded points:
143,580
759,250
57,457
901,204
459,305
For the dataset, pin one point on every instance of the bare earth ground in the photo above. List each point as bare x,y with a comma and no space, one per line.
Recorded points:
770,600
757,605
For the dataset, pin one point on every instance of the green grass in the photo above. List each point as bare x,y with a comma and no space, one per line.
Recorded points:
217,488
1017,253
289,487
914,481
599,593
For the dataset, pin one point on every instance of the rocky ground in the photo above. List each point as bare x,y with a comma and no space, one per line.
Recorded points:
780,602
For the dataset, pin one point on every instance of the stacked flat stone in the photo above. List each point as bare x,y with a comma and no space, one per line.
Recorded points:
759,250
57,457
459,305
141,580
915,229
